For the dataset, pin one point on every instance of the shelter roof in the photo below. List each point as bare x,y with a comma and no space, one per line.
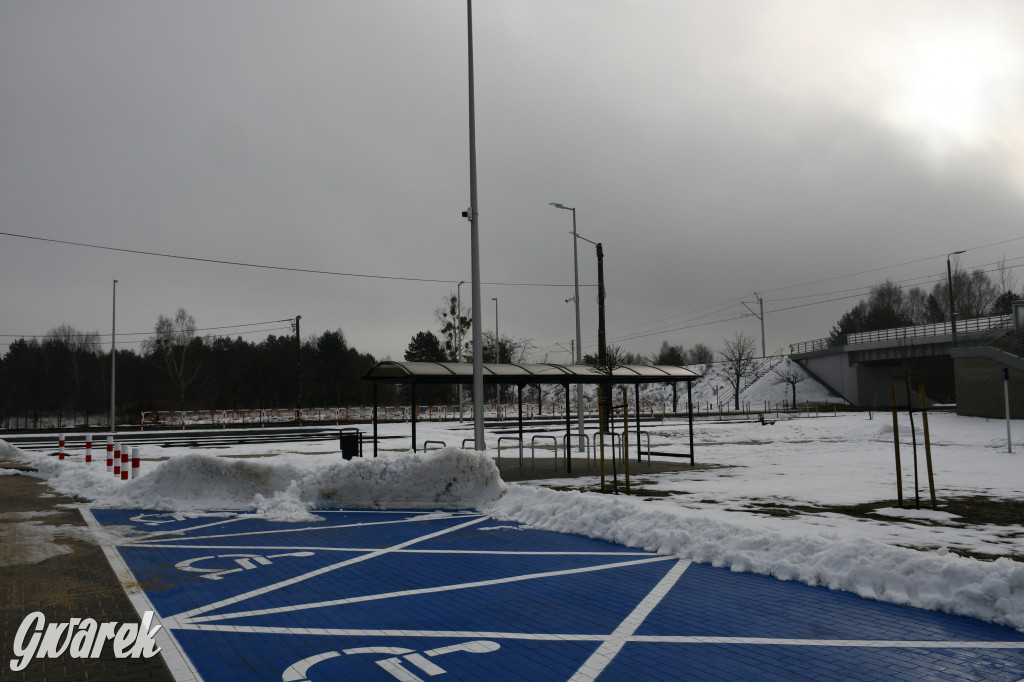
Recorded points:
542,373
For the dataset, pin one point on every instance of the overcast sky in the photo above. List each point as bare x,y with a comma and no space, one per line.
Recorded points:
716,148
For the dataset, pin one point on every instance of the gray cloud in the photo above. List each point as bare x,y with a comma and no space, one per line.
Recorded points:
715,149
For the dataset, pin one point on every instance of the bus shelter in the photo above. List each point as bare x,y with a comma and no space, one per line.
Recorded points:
414,374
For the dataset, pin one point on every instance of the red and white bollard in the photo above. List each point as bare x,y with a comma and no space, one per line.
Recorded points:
117,460
135,462
124,462
110,454
88,448
60,442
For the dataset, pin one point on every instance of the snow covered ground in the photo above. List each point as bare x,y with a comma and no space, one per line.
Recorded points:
767,505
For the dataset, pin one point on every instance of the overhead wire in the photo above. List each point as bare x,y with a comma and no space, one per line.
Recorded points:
283,268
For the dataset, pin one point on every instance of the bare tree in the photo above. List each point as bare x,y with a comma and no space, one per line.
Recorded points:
915,305
701,355
614,356
178,350
739,356
977,297
973,294
670,355
455,328
75,349
787,373
1007,281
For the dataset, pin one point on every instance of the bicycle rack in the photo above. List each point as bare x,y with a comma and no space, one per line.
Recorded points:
595,441
471,440
567,442
533,445
435,442
647,434
518,440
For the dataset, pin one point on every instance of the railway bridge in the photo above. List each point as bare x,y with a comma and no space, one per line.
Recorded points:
864,366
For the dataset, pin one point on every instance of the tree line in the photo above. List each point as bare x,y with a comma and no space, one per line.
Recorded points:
975,294
68,372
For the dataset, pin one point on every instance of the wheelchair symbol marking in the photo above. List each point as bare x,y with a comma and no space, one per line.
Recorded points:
246,562
393,665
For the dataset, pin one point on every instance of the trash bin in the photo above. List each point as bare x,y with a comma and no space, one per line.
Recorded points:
349,444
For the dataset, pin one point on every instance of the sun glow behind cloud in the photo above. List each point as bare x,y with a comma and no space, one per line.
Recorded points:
953,91
947,77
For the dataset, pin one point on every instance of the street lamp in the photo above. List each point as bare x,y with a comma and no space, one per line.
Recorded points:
113,360
474,220
602,347
949,285
576,298
497,345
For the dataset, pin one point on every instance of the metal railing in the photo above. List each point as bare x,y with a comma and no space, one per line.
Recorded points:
968,329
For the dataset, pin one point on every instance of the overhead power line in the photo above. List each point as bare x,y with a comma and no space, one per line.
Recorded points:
150,333
136,341
281,268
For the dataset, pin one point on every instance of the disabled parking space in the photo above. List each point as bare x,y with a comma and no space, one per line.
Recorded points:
415,595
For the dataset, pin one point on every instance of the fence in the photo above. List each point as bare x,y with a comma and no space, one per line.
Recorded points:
979,326
385,413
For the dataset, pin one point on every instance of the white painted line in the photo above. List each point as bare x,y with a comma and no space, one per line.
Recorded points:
174,656
570,637
287,530
610,648
869,643
427,590
320,571
152,537
353,632
314,548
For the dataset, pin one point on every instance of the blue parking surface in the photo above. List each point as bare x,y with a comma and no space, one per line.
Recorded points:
414,595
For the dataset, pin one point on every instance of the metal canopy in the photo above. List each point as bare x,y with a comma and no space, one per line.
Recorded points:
415,373
391,372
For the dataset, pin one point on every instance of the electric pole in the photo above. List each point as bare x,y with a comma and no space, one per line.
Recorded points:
759,316
298,369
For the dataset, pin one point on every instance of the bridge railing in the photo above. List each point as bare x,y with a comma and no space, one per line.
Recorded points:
978,326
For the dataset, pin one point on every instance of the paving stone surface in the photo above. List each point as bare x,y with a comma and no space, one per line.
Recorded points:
76,584
414,595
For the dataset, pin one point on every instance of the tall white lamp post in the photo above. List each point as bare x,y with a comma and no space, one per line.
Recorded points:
474,218
113,361
576,298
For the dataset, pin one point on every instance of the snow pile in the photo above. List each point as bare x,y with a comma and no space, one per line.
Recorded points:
770,388
763,384
283,491
938,580
10,453
449,478
800,462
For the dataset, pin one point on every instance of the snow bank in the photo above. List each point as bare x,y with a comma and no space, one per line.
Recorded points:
287,490
938,580
449,478
10,453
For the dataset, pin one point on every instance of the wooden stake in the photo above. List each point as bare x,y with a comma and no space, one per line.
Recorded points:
896,441
625,434
600,429
928,449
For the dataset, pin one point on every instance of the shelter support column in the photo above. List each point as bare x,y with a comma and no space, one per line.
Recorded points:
375,419
568,431
413,392
519,388
689,411
636,411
